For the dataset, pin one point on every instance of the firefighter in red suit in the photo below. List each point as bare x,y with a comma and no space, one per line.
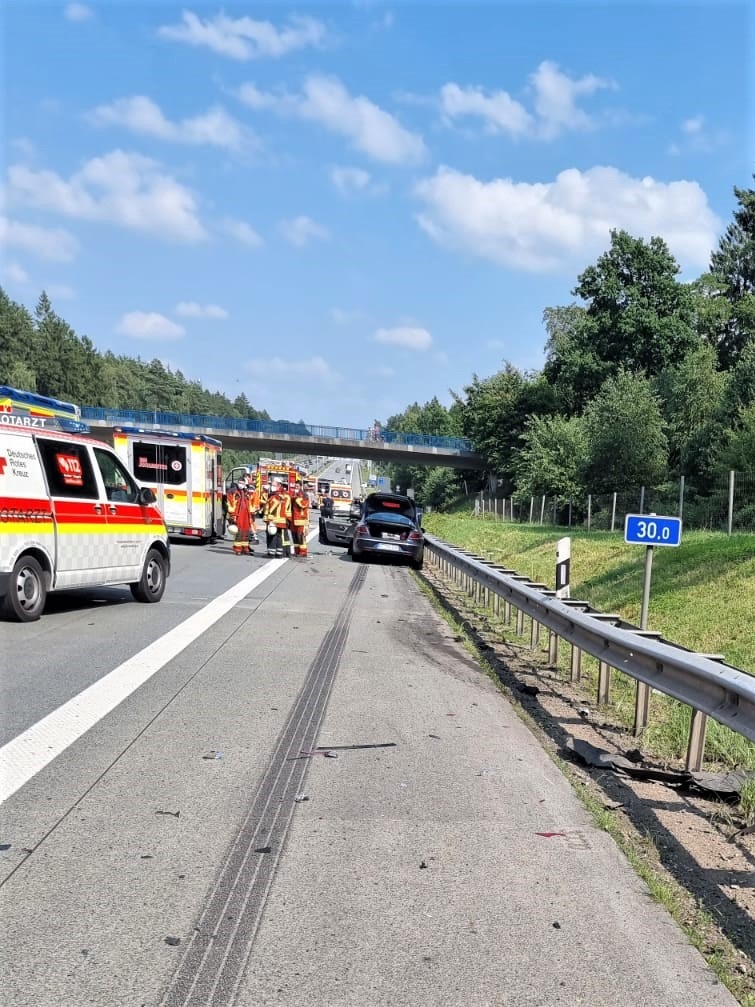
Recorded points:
239,514
300,520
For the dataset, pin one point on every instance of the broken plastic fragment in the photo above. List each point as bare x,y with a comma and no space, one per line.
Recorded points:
173,941
550,835
301,797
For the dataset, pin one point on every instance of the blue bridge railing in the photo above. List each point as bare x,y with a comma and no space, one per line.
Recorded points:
150,417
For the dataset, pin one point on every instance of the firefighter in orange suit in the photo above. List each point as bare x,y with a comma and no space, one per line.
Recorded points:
300,520
239,515
277,516
253,495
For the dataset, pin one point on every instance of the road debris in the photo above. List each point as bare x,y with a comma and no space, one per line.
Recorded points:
550,835
175,814
423,866
213,755
301,797
173,941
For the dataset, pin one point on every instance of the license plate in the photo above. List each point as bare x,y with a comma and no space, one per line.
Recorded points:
391,535
389,547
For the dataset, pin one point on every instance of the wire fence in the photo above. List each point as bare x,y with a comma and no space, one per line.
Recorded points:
726,505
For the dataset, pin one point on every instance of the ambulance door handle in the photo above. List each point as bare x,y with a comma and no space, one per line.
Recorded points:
112,508
98,508
169,496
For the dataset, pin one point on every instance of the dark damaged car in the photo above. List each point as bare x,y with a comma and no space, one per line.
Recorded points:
388,527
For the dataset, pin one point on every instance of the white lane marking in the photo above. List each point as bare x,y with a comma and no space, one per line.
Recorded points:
29,752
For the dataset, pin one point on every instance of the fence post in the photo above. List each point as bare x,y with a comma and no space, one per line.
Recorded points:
681,497
730,521
532,505
542,509
570,512
554,511
642,500
589,510
613,512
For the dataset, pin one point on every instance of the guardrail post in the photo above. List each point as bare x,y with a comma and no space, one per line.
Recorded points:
552,648
604,683
613,513
534,634
519,622
576,664
496,604
507,611
696,746
641,708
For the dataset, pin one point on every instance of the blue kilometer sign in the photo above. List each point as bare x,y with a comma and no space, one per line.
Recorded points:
649,529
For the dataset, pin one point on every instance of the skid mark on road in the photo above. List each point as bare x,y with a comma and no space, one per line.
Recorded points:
215,958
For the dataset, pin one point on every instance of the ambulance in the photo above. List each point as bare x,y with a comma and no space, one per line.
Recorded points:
185,473
29,409
71,515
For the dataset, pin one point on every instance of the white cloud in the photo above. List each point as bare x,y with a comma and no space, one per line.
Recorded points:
149,325
15,273
693,125
555,108
502,114
556,99
344,317
190,309
78,12
409,337
326,101
545,226
384,372
242,232
61,292
215,127
354,180
244,38
47,243
698,137
301,230
275,367
121,188
24,147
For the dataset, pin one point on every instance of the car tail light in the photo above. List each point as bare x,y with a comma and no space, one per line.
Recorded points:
415,536
361,529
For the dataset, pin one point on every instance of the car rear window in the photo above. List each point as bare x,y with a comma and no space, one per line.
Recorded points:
391,507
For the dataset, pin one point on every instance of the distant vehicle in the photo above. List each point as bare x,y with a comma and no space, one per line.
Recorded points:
388,526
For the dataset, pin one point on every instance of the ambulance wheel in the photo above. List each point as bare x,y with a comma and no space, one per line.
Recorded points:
27,590
152,584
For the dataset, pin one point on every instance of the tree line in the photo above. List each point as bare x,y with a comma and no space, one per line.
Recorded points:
646,379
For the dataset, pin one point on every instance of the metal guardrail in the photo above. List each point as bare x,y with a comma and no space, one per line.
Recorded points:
702,681
149,417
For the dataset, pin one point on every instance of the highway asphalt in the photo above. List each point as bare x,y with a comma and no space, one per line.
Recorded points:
183,849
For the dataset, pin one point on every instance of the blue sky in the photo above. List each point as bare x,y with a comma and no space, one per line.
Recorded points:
342,209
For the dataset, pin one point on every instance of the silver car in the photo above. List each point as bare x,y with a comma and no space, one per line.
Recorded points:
388,526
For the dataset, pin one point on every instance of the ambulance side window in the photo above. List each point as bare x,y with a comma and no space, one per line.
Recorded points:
68,469
119,486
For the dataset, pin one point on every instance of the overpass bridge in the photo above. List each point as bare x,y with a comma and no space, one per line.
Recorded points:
295,438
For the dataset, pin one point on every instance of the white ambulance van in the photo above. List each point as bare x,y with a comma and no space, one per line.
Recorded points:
185,473
71,516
